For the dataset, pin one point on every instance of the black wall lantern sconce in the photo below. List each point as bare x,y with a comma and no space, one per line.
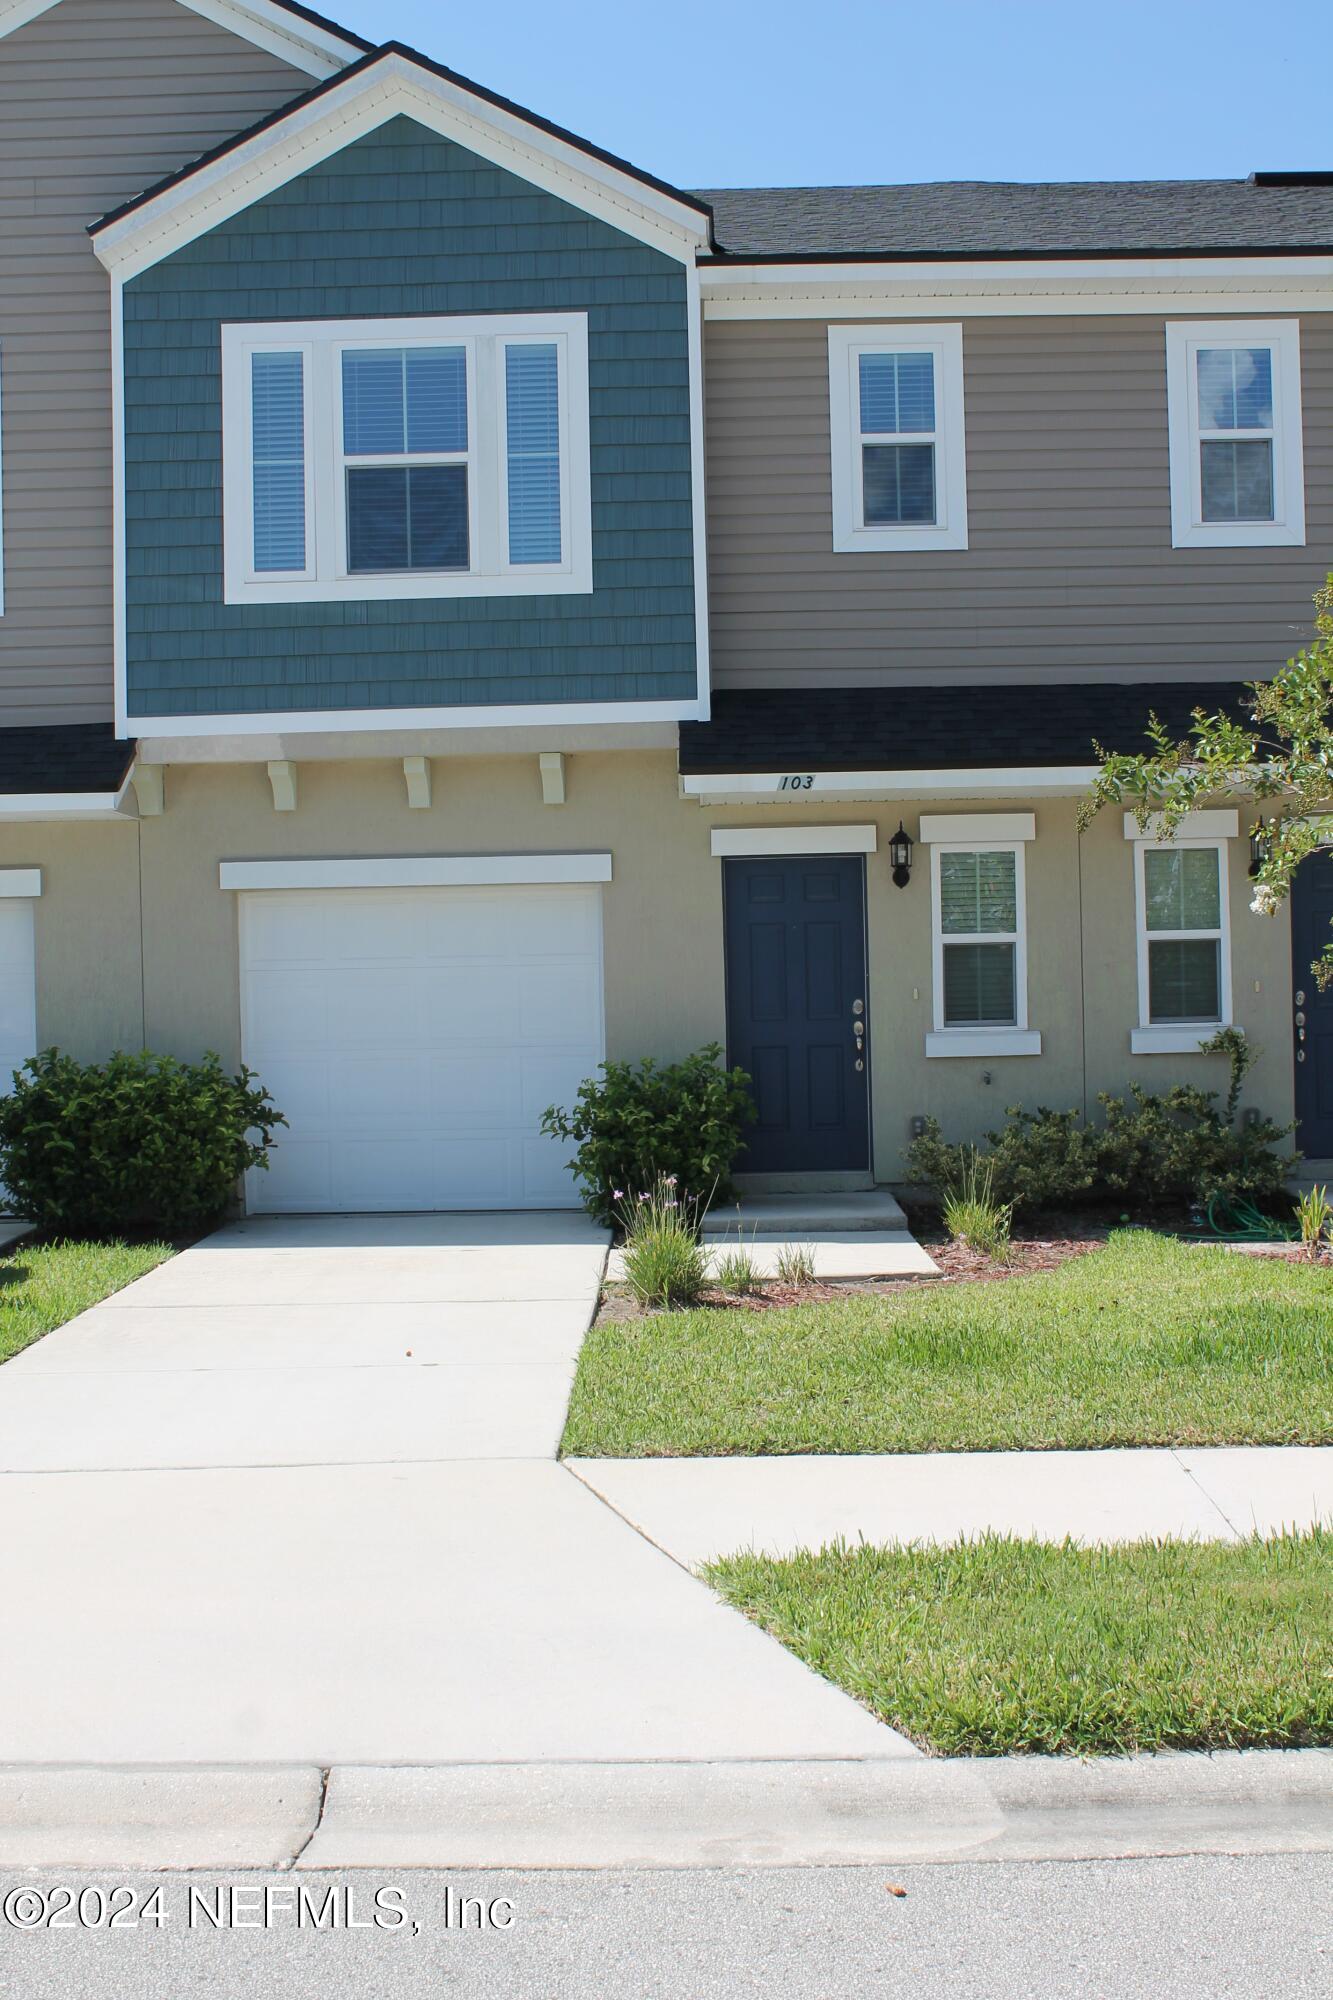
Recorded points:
900,854
1261,846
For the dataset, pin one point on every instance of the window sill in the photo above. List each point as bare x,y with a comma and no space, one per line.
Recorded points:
984,1042
426,584
901,541
1181,1041
1239,535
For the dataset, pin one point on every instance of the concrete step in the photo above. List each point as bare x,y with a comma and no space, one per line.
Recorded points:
797,1216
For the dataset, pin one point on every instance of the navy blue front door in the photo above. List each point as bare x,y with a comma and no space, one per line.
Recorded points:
796,997
1311,931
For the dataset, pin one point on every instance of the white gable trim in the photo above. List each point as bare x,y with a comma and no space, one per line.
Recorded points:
320,52
395,86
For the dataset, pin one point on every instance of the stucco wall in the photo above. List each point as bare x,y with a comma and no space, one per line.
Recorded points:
663,916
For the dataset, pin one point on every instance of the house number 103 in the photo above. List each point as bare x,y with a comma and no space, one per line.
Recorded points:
797,781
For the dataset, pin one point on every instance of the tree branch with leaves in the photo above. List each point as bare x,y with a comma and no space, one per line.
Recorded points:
1283,754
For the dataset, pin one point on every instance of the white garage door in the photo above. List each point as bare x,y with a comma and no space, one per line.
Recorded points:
18,1005
413,1037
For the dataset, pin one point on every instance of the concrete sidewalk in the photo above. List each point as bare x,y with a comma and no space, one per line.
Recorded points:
699,1508
292,1499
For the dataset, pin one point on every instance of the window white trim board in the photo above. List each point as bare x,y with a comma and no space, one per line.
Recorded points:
397,86
1189,530
1222,824
326,578
20,882
1019,940
1156,1036
751,787
984,1042
416,871
851,533
743,840
978,829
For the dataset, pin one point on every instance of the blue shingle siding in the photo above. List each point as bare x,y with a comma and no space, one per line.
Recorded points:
404,222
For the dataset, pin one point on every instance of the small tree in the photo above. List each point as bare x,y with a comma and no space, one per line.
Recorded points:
1285,754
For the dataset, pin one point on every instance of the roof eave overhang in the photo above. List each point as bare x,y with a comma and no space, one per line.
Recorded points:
295,35
395,83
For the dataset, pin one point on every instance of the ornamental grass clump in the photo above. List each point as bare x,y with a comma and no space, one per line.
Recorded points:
1314,1215
664,1262
972,1215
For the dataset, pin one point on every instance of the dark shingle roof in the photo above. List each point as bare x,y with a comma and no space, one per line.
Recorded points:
63,757
937,728
1013,218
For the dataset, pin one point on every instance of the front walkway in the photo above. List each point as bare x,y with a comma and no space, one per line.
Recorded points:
292,1499
701,1508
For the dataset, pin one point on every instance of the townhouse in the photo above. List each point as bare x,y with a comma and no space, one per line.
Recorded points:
471,608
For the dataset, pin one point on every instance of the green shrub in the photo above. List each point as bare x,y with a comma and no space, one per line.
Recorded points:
664,1262
634,1125
1041,1159
1157,1146
137,1142
973,1216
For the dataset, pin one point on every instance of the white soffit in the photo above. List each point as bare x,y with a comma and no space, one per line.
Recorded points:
395,86
757,840
1220,825
1018,286
416,871
977,826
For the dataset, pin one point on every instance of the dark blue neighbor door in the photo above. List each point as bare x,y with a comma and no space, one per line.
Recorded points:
796,995
1311,931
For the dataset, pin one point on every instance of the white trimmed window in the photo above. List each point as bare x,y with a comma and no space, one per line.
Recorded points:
896,412
1234,418
1184,953
406,458
979,924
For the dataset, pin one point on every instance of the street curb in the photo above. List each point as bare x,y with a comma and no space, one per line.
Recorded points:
682,1815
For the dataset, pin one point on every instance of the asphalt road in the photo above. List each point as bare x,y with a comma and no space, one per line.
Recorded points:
1199,1927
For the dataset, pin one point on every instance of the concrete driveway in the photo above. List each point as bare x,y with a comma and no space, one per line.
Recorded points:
292,1498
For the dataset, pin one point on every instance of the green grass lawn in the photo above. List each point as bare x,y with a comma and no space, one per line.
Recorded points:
998,1646
1147,1341
43,1286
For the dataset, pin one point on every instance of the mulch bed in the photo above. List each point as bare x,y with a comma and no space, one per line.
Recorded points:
1040,1246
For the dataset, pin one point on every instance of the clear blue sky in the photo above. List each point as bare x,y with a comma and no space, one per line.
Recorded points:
754,92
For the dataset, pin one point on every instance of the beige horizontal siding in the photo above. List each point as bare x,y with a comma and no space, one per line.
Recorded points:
1070,567
98,99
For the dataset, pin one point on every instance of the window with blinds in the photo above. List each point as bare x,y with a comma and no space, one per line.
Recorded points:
405,443
1182,919
1233,394
407,458
978,922
277,416
898,464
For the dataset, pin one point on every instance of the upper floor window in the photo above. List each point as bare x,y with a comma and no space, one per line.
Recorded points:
408,458
1234,413
896,410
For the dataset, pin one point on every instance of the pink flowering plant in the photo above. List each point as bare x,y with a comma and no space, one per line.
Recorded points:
665,1264
640,1124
